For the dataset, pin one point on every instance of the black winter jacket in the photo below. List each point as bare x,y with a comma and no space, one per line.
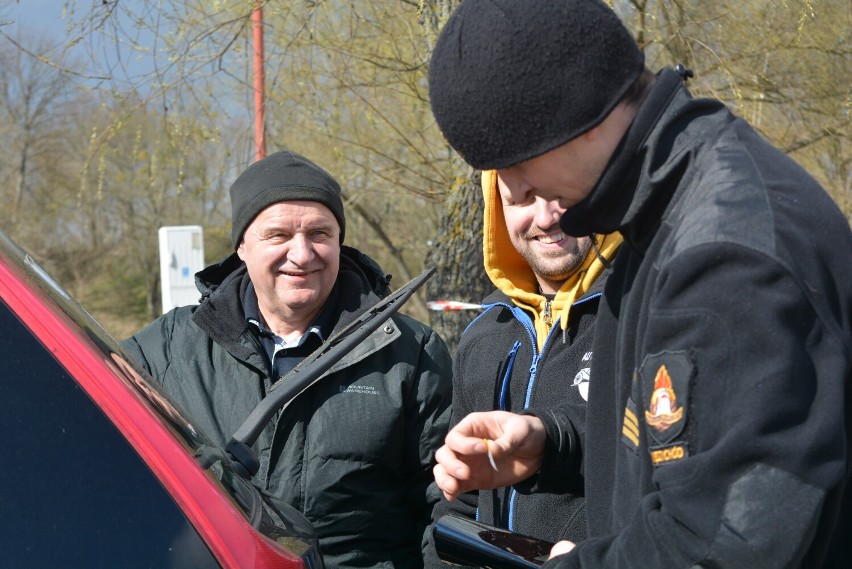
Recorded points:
718,427
354,452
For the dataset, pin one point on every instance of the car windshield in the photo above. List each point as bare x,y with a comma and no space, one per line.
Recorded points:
288,528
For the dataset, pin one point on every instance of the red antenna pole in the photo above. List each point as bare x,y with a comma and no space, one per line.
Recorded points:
259,110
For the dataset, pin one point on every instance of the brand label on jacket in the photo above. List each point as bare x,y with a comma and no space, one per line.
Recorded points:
362,389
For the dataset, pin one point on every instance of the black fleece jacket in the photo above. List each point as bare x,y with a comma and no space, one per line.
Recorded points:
499,367
718,430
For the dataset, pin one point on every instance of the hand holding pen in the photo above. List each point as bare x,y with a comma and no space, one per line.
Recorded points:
489,450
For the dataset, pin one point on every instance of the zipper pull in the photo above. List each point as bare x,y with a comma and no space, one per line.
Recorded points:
546,316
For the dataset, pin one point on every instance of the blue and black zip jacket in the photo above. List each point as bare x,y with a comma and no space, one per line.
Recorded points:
499,367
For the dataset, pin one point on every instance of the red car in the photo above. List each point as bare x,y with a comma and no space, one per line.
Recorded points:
99,468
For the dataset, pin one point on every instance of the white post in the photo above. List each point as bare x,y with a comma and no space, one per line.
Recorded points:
181,256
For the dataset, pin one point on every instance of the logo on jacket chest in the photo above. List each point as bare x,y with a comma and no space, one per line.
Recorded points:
360,389
581,380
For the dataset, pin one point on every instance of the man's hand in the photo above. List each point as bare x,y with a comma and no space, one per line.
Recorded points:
517,448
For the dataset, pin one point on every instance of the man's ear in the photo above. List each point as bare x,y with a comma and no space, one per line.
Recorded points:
240,250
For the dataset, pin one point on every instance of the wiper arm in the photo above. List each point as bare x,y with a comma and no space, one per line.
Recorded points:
310,369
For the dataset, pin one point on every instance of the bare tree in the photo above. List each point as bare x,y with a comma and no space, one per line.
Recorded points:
457,248
33,99
346,85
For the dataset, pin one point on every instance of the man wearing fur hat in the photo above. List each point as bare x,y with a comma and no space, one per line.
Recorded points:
530,348
718,427
353,452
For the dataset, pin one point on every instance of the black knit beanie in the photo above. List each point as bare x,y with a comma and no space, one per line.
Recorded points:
512,79
280,177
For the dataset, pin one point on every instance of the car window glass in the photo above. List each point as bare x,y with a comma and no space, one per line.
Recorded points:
279,522
73,492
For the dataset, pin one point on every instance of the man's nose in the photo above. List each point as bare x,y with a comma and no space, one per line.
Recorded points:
301,249
547,212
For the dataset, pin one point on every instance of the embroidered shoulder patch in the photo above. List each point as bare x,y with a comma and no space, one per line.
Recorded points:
665,388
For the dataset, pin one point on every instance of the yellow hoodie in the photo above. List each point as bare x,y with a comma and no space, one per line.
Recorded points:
511,274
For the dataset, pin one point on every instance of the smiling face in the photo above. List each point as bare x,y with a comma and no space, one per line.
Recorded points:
292,252
533,227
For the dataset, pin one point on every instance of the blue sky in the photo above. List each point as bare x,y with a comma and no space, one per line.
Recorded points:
35,12
33,16
30,20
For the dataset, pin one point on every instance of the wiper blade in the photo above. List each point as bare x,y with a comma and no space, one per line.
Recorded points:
310,369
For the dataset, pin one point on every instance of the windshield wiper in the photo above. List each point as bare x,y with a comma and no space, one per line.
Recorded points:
309,370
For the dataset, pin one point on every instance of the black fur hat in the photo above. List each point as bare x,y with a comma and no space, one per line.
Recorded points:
512,79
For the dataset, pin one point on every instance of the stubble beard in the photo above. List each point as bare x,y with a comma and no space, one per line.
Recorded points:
558,265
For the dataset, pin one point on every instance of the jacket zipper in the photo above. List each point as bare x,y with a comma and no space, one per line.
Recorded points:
547,317
530,382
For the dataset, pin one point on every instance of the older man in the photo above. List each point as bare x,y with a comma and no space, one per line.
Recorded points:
353,452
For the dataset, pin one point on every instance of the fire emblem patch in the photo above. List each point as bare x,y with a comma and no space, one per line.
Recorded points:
665,387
